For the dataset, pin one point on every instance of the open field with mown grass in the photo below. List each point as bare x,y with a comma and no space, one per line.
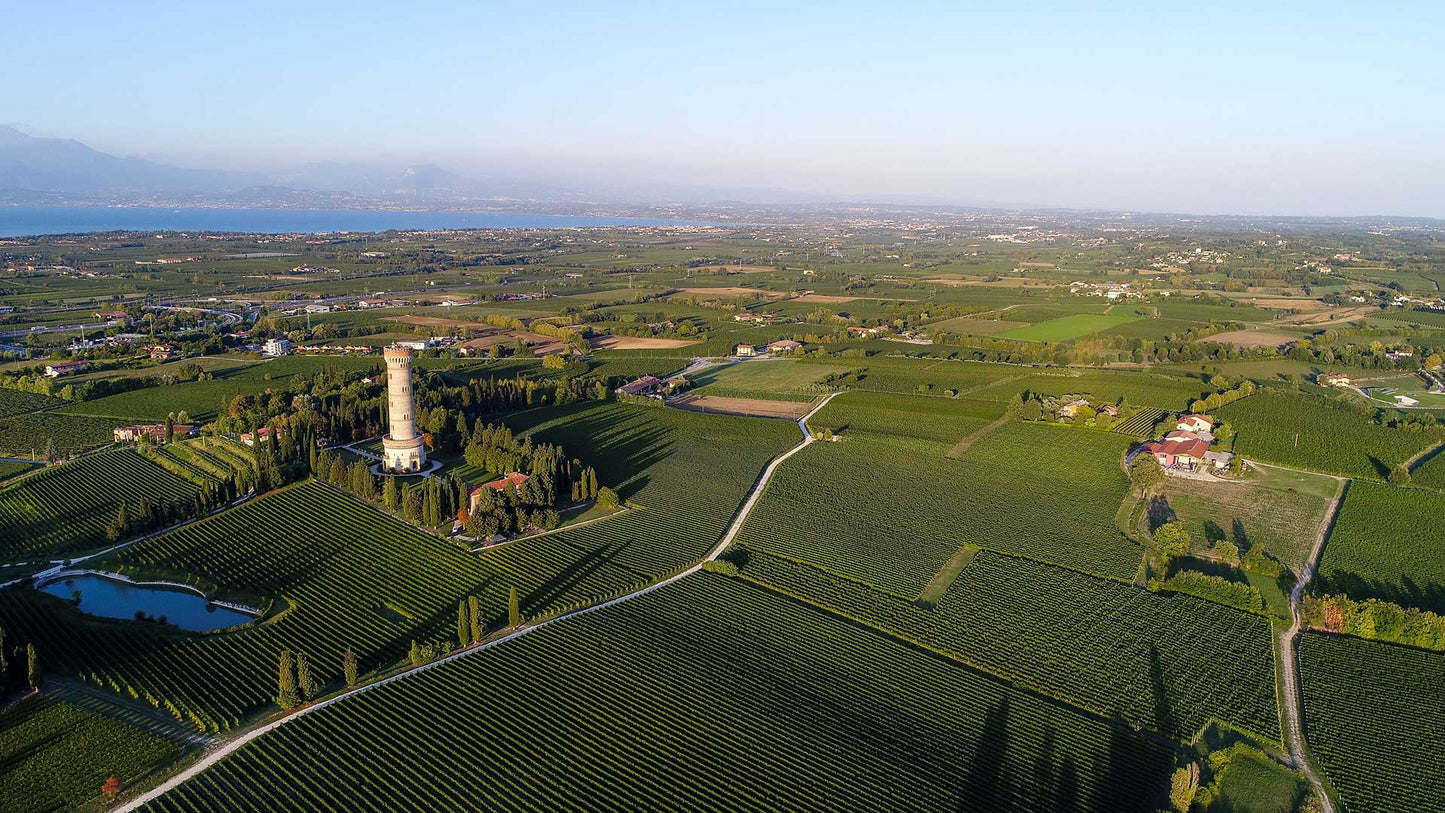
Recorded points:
1277,509
709,692
1067,327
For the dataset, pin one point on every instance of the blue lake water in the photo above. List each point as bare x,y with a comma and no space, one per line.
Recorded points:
27,220
111,598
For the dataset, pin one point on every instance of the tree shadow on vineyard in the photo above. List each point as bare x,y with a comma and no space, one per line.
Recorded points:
1160,512
573,575
986,786
1054,785
1406,592
1165,721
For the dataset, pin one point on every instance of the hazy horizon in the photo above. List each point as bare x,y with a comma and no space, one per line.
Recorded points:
1301,109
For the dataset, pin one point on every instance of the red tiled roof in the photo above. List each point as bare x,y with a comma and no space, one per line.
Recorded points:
1196,416
516,478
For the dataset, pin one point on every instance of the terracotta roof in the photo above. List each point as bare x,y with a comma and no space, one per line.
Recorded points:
1196,416
516,478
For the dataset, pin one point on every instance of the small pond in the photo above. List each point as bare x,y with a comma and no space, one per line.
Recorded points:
113,598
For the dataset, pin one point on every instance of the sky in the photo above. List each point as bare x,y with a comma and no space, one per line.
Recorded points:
1314,108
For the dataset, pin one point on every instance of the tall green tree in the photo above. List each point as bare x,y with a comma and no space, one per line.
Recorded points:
286,694
464,624
50,451
349,667
305,681
32,668
474,607
514,608
390,494
417,656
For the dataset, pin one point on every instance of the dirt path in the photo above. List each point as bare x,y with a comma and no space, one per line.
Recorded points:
1289,671
962,446
222,750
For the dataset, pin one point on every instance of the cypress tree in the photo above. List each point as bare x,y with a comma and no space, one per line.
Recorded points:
591,483
416,654
475,608
390,495
304,679
464,624
348,668
514,610
286,696
4,662
32,666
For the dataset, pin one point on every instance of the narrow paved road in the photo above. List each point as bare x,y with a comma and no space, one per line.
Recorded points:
231,746
1289,659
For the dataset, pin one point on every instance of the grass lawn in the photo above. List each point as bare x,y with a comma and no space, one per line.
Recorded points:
974,325
1253,782
1278,509
1068,327
784,379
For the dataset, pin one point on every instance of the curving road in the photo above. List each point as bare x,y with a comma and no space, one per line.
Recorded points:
230,746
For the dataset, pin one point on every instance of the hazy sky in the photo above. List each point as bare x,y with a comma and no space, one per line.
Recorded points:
1297,108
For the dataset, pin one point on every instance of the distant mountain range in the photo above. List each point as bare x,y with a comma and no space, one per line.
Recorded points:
46,168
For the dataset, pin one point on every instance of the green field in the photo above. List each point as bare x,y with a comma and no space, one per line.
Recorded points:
335,573
17,402
1373,716
781,379
55,755
687,473
709,694
914,416
1307,433
1068,327
1278,509
66,509
1166,661
25,435
1386,543
890,510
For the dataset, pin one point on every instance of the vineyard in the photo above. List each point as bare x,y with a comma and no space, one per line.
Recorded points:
936,419
25,435
709,694
336,574
1385,544
10,468
688,474
1138,388
890,512
19,402
1166,661
1310,434
1141,424
1373,717
56,756
66,509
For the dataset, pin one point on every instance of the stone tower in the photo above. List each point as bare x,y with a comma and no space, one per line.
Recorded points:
404,449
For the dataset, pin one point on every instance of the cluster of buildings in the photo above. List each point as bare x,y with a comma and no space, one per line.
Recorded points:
1186,447
1072,409
650,386
746,350
1108,290
155,432
750,318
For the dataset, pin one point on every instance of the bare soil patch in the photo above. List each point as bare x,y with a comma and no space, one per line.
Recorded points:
756,407
833,299
638,343
1037,265
1251,338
